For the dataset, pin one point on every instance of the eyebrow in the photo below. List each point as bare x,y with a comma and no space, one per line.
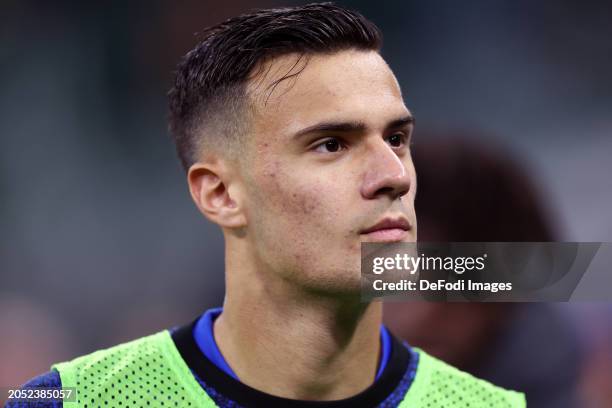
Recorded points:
350,127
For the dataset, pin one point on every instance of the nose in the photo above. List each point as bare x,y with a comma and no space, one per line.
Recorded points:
386,174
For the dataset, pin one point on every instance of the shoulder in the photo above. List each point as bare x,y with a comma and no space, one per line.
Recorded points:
110,363
106,366
148,370
438,384
50,379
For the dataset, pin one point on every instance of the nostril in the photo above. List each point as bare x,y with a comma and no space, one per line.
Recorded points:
403,192
384,190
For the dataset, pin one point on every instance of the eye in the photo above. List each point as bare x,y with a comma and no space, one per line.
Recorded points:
330,145
397,140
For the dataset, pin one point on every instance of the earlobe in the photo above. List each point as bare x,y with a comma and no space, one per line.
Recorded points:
209,187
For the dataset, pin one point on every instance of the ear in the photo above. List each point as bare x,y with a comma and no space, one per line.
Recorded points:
210,185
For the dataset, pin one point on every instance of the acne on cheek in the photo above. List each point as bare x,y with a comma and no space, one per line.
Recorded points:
306,206
299,201
302,205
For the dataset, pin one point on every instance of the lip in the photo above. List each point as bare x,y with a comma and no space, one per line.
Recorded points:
388,230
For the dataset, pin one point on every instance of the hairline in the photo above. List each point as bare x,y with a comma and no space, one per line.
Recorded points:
247,105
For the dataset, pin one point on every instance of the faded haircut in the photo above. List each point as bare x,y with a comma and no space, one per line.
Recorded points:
208,101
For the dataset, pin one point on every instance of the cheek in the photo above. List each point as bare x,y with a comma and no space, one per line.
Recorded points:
304,203
307,205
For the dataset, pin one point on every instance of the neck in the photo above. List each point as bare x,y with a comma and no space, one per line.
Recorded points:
287,342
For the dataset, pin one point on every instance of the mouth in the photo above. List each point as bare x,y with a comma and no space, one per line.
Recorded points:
388,230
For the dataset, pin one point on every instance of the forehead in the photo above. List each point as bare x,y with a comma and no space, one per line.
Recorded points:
348,85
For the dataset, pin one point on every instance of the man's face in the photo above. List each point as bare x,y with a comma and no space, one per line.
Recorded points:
328,159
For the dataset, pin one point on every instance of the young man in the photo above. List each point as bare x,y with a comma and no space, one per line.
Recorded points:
294,136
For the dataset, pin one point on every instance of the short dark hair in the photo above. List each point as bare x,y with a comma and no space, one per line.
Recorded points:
210,82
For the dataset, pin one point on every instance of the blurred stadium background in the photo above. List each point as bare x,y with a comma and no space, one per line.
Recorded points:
99,241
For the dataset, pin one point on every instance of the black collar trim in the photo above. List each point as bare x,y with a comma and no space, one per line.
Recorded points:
242,394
